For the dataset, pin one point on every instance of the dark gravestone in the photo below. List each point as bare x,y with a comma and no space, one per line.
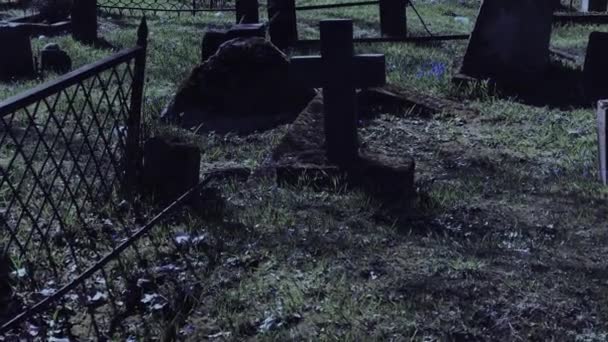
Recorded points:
510,41
52,58
211,42
602,130
16,59
595,71
594,5
393,21
214,38
243,87
171,168
282,19
84,21
247,12
339,73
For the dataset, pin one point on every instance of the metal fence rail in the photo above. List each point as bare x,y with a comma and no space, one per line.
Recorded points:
165,6
66,147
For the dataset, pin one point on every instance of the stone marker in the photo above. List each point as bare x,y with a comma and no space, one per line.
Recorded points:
16,59
170,168
214,38
510,41
84,21
339,73
393,20
247,12
595,70
282,23
602,130
243,87
211,42
594,5
52,58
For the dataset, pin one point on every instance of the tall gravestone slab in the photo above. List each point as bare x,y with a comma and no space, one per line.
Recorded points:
16,59
595,70
510,41
594,5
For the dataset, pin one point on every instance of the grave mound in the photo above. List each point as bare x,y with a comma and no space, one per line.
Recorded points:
302,153
243,87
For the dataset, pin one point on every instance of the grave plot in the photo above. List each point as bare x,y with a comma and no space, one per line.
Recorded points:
504,240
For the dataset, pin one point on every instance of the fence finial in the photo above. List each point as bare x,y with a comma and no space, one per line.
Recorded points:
142,32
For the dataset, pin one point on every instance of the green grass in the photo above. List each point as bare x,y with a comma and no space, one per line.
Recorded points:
507,241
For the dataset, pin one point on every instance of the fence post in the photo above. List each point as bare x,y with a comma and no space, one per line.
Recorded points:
393,19
84,21
282,22
134,162
247,12
602,135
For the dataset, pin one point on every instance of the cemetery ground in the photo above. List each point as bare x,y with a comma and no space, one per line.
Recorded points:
506,241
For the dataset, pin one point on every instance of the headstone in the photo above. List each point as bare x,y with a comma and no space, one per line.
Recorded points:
170,169
211,42
510,41
214,38
244,86
595,70
594,5
84,21
602,130
282,21
16,59
339,72
247,12
52,58
393,20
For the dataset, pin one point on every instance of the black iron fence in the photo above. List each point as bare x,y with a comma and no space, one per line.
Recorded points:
69,150
134,7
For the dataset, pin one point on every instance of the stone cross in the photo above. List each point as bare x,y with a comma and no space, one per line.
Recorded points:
602,133
339,72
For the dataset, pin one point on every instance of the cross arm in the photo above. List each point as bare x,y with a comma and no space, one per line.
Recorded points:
369,70
306,71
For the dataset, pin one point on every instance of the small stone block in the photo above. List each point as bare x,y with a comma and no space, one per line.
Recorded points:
52,58
170,168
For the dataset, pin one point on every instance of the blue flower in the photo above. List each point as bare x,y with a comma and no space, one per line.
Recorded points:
434,69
